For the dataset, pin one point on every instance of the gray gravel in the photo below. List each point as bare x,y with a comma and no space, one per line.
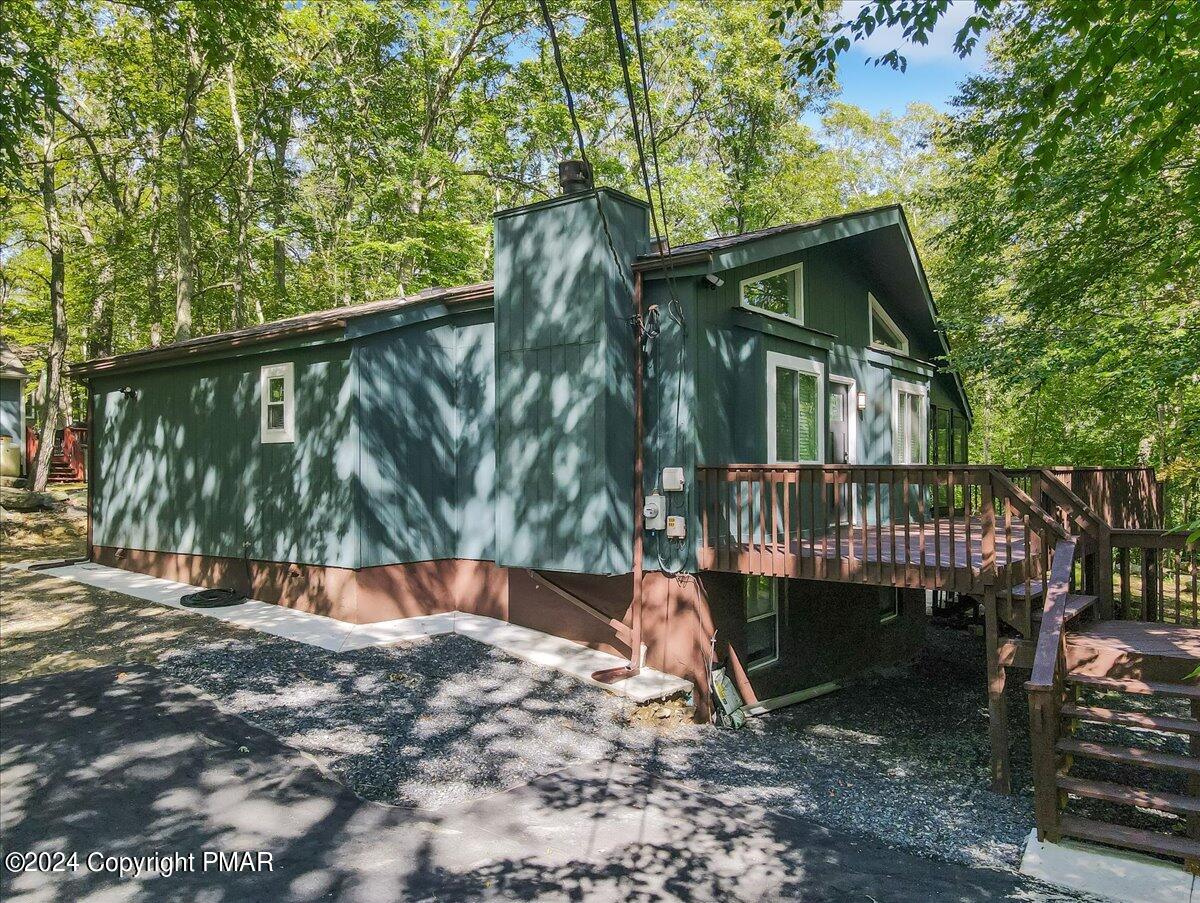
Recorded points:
902,757
426,724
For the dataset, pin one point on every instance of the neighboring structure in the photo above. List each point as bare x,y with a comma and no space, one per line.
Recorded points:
12,413
475,449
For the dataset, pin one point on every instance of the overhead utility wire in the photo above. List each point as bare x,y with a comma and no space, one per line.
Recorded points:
641,53
566,85
673,305
633,114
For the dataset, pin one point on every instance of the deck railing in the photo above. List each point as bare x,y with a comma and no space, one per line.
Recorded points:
1046,691
1157,576
955,528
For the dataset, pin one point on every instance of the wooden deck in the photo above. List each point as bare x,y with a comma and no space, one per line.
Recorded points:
933,555
960,529
1133,649
1135,637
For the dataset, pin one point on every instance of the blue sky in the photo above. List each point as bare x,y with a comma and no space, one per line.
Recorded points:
934,70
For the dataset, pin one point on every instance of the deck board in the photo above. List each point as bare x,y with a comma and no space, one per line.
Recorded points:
1139,638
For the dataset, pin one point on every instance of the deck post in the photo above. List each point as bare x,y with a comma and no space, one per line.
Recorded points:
1104,572
1044,720
997,704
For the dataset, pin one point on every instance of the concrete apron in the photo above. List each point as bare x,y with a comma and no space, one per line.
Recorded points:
1114,874
543,649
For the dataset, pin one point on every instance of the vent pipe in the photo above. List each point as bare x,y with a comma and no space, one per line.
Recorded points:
575,176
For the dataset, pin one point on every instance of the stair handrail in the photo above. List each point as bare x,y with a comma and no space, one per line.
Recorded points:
1026,505
1081,512
1052,638
1101,570
1045,691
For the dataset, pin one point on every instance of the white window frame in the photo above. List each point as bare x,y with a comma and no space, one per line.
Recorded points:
266,374
898,386
773,613
776,359
797,292
876,308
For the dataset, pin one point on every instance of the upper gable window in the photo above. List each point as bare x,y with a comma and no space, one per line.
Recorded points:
276,388
884,331
780,291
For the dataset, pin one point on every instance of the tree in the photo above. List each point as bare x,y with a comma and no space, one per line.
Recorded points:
1068,246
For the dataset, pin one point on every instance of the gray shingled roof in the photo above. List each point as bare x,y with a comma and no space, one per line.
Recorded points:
316,321
723,242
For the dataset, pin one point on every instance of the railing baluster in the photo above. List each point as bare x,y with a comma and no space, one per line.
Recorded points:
879,525
862,503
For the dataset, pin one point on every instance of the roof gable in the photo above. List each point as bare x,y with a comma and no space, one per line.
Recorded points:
880,237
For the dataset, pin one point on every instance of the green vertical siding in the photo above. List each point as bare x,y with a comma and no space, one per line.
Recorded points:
564,383
179,466
427,460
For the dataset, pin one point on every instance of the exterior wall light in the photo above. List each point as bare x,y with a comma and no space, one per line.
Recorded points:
862,401
129,392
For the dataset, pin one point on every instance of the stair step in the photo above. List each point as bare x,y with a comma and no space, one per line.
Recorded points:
1126,755
1018,591
1076,605
1139,687
1176,803
1133,719
1129,838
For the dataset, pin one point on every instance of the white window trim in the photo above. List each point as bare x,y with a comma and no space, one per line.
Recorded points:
800,365
877,308
774,613
288,433
797,284
898,386
897,607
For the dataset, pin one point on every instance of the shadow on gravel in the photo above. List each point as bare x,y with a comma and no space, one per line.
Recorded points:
121,763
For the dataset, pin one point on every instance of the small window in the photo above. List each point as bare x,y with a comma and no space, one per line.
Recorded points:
762,621
780,292
278,409
889,605
884,331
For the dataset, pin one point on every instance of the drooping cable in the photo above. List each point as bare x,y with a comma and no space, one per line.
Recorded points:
641,54
566,86
674,308
623,56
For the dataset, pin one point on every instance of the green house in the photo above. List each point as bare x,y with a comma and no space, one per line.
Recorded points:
475,448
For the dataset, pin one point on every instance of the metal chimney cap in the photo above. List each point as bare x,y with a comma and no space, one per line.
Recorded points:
575,176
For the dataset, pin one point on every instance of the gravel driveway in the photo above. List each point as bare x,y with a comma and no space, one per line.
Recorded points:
902,757
427,724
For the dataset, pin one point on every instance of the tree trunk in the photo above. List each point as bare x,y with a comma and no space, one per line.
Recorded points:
56,354
279,259
154,288
185,263
242,193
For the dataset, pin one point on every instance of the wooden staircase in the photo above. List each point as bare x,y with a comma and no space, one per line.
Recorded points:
1114,712
1132,764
